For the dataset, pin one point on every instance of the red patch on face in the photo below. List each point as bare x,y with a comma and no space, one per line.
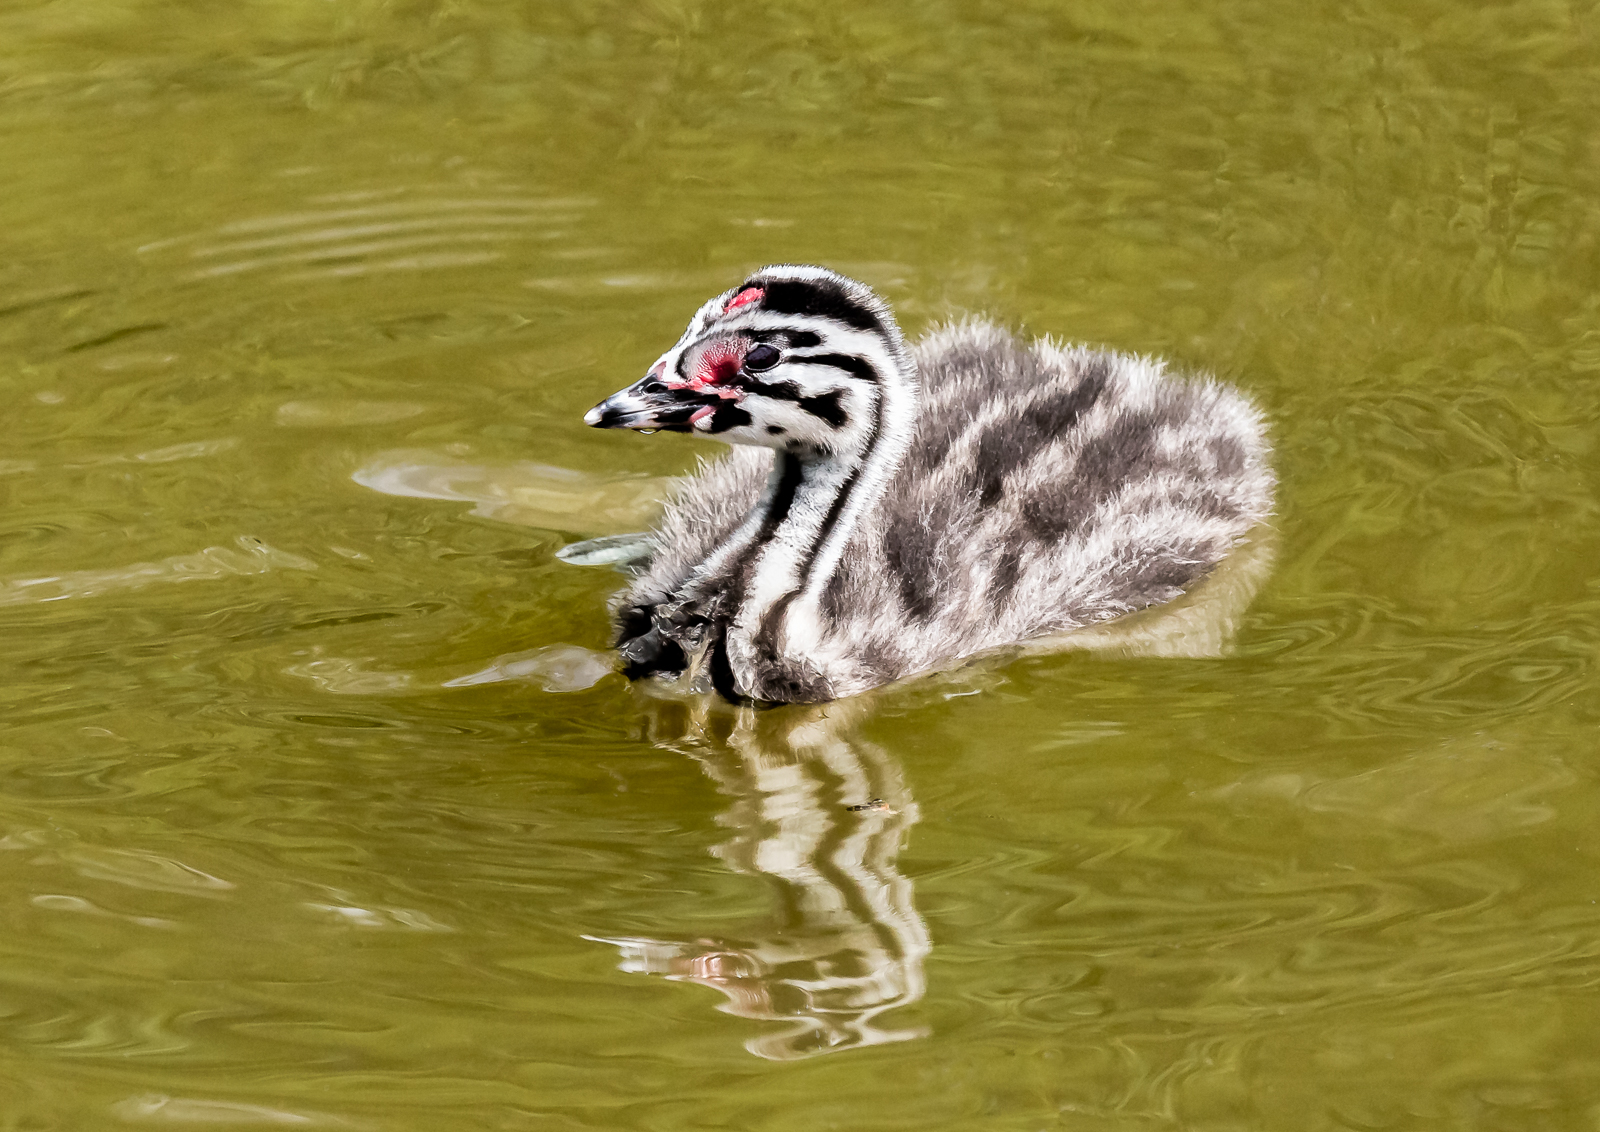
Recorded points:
745,297
718,361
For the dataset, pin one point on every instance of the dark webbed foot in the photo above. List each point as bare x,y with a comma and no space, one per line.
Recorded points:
643,647
634,621
651,652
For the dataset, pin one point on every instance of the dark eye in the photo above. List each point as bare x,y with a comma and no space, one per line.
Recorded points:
760,357
653,386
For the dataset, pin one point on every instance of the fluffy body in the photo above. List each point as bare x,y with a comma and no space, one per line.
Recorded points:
1003,491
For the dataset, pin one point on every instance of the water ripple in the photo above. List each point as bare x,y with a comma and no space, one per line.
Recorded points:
358,240
529,494
210,564
157,1108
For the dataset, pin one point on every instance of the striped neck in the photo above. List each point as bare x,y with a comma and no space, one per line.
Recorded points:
812,365
775,567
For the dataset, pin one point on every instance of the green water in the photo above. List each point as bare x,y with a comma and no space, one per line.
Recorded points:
300,306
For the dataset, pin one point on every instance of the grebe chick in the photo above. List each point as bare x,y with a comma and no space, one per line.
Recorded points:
892,509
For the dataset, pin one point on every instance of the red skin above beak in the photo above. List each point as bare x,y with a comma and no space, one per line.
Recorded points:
672,404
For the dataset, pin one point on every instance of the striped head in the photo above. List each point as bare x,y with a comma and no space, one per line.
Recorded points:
795,358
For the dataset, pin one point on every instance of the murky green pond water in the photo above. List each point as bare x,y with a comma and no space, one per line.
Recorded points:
306,820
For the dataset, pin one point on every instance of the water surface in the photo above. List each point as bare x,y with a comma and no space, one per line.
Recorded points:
317,807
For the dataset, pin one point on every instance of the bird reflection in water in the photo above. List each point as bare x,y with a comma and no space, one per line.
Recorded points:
822,815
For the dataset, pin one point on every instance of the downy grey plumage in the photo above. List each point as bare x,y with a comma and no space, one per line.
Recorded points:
891,509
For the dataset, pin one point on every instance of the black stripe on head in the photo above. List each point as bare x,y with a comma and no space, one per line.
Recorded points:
824,405
856,367
728,415
793,339
821,298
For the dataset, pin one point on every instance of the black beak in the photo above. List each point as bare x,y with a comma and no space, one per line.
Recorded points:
648,404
